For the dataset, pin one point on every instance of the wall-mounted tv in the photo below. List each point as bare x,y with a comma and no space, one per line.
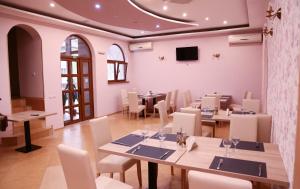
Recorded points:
187,53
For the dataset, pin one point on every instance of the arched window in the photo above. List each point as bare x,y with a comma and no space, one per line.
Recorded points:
116,65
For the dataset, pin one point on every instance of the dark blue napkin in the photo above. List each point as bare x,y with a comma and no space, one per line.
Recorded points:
129,140
169,137
247,145
245,167
151,152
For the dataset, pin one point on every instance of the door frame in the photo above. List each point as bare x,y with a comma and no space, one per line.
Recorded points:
80,86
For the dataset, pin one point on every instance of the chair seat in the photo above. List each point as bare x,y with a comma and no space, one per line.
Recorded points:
115,163
105,182
141,107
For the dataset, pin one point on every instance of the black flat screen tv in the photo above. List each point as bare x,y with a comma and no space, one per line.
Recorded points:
187,53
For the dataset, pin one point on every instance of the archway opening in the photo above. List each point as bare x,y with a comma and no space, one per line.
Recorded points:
26,69
76,80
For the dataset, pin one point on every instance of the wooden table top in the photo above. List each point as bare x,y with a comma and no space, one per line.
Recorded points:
200,159
28,115
121,150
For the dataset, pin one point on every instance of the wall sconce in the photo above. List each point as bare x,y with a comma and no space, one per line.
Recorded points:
216,55
271,14
161,58
267,31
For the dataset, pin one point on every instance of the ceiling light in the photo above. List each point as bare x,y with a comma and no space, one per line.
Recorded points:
225,22
165,7
207,18
157,26
97,6
52,5
184,14
142,32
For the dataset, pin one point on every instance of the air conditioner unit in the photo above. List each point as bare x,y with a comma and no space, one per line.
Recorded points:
140,46
245,38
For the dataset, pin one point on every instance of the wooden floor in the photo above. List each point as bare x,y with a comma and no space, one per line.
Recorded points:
19,171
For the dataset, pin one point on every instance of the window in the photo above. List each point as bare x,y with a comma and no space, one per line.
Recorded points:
116,65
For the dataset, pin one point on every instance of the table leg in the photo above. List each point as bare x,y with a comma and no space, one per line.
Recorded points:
183,179
28,146
152,175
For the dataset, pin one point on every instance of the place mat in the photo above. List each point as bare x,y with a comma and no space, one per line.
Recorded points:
169,137
245,167
151,152
129,140
247,145
207,116
243,112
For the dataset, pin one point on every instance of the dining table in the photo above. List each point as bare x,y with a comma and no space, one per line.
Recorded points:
25,117
149,100
253,161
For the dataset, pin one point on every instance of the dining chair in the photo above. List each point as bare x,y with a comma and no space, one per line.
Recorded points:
168,99
243,127
264,127
78,172
173,103
186,99
189,96
248,95
110,163
251,105
210,102
184,122
199,130
163,116
134,106
124,97
203,180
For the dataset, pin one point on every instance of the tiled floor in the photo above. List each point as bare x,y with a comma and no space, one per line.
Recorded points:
20,171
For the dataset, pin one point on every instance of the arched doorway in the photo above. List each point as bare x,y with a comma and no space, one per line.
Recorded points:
76,80
26,68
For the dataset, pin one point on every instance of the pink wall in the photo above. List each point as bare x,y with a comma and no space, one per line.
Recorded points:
237,70
30,64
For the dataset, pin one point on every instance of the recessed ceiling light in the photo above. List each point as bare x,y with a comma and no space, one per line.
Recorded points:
225,22
52,5
165,7
97,6
157,26
184,14
207,18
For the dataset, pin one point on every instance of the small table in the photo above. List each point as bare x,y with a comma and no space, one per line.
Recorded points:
26,117
151,100
152,162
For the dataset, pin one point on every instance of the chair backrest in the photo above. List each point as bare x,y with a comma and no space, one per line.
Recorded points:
243,127
189,96
184,121
101,134
264,127
210,102
77,168
163,115
186,102
218,99
124,96
251,105
248,95
174,97
168,100
133,102
212,181
198,125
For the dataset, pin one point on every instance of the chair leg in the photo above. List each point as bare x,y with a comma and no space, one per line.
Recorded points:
122,177
137,116
129,115
139,172
111,175
153,112
145,113
172,170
